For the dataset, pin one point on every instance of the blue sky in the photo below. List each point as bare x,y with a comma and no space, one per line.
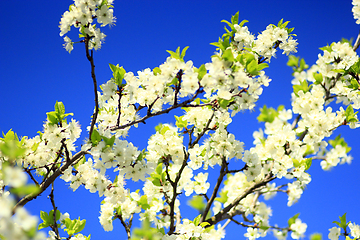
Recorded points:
36,71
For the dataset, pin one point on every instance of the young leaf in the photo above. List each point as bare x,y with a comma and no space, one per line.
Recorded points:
228,55
292,219
201,72
197,202
59,108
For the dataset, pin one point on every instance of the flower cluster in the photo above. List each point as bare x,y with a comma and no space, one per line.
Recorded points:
356,10
81,15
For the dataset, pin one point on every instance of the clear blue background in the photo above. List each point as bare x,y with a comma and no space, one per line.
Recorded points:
36,72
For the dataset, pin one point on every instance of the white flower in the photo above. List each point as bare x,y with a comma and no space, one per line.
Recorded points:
354,230
298,229
334,233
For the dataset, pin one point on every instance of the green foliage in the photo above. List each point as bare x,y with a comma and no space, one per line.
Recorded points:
96,138
316,236
180,123
297,64
25,190
339,141
158,177
143,202
342,224
223,197
224,103
327,48
350,114
147,232
156,71
177,54
306,163
74,226
48,219
303,86
201,72
269,114
293,219
198,203
161,128
118,74
318,78
10,146
354,85
58,116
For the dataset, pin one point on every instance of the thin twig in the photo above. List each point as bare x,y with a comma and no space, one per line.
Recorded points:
183,104
216,189
219,216
357,42
126,226
52,199
91,60
44,185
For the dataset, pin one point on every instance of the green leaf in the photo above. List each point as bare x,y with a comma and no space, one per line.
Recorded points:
183,52
95,137
252,68
316,236
223,197
229,24
12,150
204,224
141,155
25,190
201,72
318,78
196,220
113,67
235,18
59,108
243,22
293,61
350,115
228,55
261,66
143,202
326,48
74,226
267,114
245,58
156,182
180,123
177,54
292,219
108,141
342,224
303,65
302,87
120,74
197,202
52,117
308,163
164,129
156,71
224,103
339,141
354,85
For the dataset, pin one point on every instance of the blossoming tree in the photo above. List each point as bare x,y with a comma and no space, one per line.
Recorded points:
178,157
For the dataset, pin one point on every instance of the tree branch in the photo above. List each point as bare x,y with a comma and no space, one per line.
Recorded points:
216,189
44,185
91,60
220,216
